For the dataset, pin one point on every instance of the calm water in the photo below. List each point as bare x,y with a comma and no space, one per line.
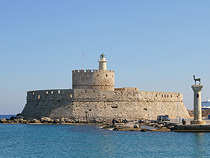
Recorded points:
21,140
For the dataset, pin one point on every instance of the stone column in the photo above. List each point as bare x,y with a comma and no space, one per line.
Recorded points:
197,105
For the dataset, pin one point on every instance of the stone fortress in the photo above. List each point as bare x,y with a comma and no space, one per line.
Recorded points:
93,96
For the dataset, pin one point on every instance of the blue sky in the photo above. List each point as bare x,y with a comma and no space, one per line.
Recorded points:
153,45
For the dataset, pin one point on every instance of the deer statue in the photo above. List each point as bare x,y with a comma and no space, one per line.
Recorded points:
197,79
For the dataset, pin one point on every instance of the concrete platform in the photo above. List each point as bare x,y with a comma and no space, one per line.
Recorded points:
191,128
198,122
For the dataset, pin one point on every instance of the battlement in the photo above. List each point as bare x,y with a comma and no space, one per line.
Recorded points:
90,70
52,94
126,89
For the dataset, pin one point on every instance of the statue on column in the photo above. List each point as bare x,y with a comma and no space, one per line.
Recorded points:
197,79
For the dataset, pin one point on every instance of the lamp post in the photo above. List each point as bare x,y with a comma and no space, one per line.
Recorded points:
177,118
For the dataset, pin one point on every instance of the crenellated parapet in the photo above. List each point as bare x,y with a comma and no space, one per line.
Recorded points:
47,95
89,70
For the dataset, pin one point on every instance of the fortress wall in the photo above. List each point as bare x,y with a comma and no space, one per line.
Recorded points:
42,102
126,104
95,103
127,110
93,79
62,111
123,95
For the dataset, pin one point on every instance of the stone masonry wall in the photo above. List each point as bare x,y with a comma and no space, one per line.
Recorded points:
93,79
127,104
123,103
42,103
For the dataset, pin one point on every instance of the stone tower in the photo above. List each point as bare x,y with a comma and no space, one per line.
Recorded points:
94,79
102,62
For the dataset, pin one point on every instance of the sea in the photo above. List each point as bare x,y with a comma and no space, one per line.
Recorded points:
90,141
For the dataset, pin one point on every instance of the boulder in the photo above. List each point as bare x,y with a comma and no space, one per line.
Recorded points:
35,121
76,120
136,126
56,121
22,121
12,118
19,116
71,120
16,120
10,121
62,119
3,121
66,120
45,119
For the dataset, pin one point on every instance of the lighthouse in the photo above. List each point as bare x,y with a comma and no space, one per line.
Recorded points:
102,62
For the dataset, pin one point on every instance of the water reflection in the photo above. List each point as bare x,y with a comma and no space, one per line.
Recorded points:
199,144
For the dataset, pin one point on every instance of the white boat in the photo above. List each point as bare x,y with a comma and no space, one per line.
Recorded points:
205,104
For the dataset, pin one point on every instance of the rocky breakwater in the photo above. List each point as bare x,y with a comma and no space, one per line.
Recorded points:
47,120
139,125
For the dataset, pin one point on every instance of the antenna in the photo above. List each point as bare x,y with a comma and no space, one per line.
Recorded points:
83,65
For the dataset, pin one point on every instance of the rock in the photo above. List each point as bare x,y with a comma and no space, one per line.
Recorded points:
45,119
30,121
71,121
136,126
163,129
35,121
10,121
144,130
142,121
22,121
56,121
19,116
15,121
124,121
12,118
126,129
62,119
3,121
77,120
66,120
51,121
83,121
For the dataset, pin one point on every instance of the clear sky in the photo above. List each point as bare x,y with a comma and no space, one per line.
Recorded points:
150,44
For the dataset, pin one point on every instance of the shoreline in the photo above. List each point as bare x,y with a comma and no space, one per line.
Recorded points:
141,125
133,125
